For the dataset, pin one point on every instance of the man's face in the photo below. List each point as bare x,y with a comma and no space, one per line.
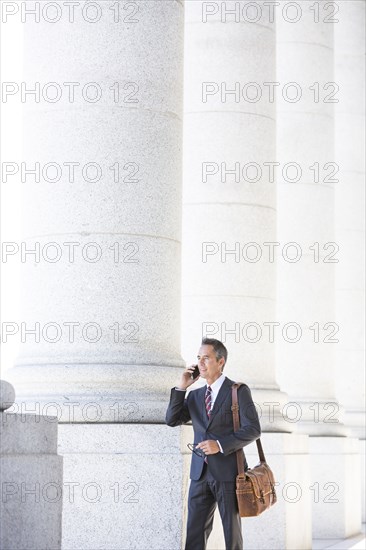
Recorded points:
208,365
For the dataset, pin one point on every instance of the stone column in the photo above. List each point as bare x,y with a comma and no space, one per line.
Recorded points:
349,212
349,217
305,151
306,285
229,227
229,282
103,285
103,128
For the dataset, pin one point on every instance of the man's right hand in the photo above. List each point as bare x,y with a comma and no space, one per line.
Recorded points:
186,380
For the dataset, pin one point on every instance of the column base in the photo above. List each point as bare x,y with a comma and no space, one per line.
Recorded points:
336,486
354,419
287,525
358,542
318,417
85,393
128,476
126,486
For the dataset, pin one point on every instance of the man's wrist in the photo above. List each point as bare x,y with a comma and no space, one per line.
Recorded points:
218,442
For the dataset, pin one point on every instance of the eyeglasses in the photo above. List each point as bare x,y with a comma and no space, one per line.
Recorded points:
193,447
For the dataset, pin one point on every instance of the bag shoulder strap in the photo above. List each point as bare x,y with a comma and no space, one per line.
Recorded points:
235,410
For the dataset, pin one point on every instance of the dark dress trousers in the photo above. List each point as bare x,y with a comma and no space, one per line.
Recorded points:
214,483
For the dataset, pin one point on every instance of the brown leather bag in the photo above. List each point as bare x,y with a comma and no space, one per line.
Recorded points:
255,488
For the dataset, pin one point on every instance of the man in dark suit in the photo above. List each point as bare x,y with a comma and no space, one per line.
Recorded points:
213,466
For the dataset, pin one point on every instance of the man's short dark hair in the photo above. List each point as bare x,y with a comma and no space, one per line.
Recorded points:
220,350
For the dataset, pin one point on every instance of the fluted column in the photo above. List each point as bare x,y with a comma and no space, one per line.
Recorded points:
103,131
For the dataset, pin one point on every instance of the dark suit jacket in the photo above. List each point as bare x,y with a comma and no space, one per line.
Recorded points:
222,466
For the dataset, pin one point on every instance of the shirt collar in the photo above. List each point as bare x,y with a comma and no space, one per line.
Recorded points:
218,383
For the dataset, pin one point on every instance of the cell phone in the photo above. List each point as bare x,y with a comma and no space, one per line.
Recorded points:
195,373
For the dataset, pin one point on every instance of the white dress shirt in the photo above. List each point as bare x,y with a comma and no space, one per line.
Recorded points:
215,387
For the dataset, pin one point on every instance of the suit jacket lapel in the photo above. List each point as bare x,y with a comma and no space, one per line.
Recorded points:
221,396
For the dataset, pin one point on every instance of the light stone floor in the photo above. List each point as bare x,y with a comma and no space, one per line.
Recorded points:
353,543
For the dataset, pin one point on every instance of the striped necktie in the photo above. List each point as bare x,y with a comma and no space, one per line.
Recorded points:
208,400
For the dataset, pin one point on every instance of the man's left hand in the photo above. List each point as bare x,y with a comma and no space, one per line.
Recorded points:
209,447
